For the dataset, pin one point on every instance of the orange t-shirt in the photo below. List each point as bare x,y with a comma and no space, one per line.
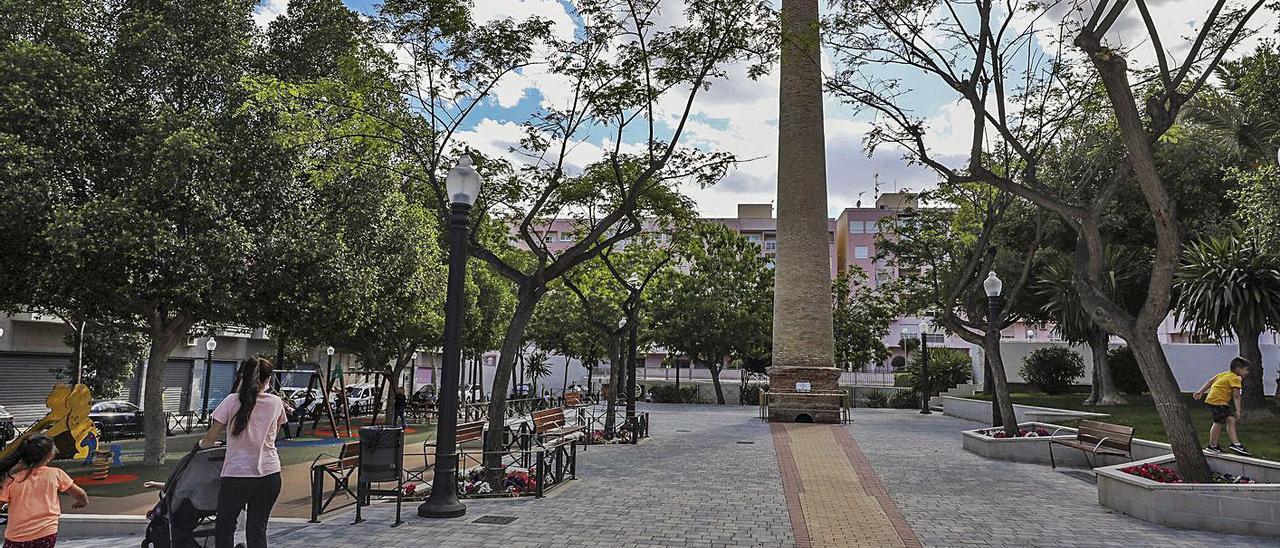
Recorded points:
33,502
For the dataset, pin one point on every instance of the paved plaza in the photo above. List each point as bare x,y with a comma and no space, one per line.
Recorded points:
718,477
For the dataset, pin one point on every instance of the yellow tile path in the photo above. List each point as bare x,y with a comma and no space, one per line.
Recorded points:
838,495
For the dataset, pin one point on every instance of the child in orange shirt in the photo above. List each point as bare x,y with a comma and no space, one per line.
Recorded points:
31,488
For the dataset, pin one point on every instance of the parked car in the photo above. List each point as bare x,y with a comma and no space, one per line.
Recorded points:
299,397
7,430
360,397
424,397
116,419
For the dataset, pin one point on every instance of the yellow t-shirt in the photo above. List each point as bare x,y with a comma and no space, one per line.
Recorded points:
1220,390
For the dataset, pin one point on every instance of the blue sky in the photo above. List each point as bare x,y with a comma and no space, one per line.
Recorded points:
740,115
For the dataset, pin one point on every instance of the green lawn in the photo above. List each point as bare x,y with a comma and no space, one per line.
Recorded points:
1262,438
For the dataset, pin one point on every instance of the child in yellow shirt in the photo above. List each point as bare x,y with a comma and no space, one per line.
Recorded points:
1222,391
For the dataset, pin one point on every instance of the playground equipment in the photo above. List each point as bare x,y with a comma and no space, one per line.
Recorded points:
67,423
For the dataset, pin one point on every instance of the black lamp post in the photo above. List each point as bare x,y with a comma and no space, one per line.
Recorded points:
927,389
209,345
993,286
463,184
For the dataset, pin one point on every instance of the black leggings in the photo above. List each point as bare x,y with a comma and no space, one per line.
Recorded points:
260,495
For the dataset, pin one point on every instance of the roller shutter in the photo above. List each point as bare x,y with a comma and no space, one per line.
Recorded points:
177,386
25,383
221,377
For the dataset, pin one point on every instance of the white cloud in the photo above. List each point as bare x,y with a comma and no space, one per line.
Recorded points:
268,10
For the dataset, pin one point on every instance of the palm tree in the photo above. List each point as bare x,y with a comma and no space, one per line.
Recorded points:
1231,122
1231,284
1073,323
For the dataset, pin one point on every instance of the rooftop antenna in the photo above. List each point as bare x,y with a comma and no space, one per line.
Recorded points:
877,183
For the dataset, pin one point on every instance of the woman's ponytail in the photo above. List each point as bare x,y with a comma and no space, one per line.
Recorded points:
253,375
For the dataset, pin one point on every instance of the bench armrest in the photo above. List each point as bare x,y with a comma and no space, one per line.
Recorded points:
1100,442
1059,429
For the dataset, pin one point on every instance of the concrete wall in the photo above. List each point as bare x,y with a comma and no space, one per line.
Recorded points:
1192,364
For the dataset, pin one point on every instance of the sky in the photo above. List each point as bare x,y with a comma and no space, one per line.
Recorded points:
739,115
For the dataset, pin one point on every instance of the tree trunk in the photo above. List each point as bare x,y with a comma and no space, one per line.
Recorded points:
1252,396
526,300
1171,407
1001,384
715,381
1104,391
279,350
591,379
166,334
611,398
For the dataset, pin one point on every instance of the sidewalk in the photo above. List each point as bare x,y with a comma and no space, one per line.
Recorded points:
715,476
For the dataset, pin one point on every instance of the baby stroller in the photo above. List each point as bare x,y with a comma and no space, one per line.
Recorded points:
188,502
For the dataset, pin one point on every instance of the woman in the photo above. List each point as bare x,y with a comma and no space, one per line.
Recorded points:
251,471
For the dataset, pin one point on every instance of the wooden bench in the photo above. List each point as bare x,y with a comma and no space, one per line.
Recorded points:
551,424
573,399
466,432
1097,438
340,468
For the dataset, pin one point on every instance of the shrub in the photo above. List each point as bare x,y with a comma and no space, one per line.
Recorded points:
947,368
901,379
1053,369
751,395
904,399
666,393
877,399
1124,369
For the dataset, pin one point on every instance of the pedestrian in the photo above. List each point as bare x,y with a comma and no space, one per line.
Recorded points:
30,486
402,402
1219,393
251,471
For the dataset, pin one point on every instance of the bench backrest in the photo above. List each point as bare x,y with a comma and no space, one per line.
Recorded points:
1116,436
469,431
548,419
572,399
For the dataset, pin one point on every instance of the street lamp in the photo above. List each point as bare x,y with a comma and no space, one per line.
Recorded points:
993,287
1031,334
462,184
209,345
924,372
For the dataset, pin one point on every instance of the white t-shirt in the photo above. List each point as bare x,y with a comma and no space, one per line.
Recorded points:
252,454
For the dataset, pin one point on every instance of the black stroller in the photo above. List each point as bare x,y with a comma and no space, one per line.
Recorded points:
184,516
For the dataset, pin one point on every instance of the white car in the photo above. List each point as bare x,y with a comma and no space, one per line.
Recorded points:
360,397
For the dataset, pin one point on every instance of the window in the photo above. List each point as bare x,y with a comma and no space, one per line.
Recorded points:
567,237
755,238
857,227
873,227
861,252
770,245
935,338
550,237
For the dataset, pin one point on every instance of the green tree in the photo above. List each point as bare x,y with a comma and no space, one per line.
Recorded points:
1230,284
1070,320
1024,108
718,304
861,317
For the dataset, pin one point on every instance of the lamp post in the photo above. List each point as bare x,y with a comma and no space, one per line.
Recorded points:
993,287
462,184
924,372
209,345
328,373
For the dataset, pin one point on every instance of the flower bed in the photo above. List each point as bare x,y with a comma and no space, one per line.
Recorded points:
1023,432
1164,474
1031,445
1244,498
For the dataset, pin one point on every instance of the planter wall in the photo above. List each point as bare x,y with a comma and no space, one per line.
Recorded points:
1036,450
980,411
1252,509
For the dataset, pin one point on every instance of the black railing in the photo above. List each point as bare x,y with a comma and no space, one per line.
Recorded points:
625,429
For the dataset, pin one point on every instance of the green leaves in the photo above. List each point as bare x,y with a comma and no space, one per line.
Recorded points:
1228,283
861,316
